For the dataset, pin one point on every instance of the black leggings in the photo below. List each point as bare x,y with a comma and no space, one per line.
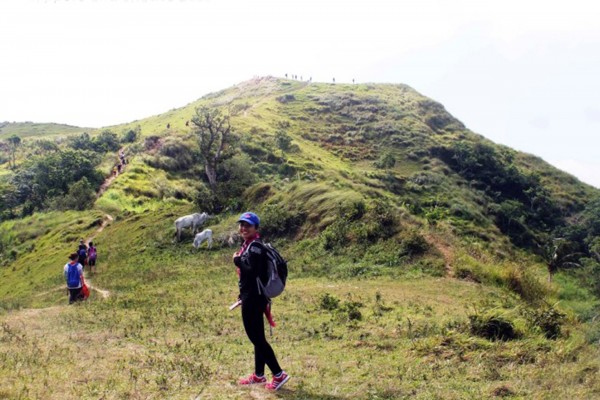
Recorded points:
252,316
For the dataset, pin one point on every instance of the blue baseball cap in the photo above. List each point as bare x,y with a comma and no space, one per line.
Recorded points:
250,218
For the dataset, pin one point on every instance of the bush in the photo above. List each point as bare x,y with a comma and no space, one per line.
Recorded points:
131,135
492,327
522,282
412,243
547,319
278,221
386,161
105,142
329,302
258,193
176,156
81,196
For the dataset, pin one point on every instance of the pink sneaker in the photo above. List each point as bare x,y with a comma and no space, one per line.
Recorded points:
252,380
277,383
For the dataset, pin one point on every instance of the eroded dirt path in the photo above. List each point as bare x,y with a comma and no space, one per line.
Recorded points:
446,250
88,278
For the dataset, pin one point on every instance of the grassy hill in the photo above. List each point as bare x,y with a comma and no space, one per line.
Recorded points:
31,129
412,249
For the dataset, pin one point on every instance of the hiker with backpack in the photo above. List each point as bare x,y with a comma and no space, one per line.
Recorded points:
82,253
91,260
73,272
252,261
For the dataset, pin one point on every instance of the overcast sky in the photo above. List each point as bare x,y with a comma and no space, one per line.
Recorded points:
522,73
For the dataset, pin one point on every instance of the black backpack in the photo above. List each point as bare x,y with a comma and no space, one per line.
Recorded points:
277,272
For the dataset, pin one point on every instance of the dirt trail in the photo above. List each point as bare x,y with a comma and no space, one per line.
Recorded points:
111,178
108,219
446,251
103,293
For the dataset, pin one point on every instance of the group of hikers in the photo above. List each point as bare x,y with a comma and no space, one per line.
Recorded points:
120,165
254,267
73,270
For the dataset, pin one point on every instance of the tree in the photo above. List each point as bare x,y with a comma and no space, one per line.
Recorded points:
106,141
216,140
131,135
42,178
81,142
558,254
13,143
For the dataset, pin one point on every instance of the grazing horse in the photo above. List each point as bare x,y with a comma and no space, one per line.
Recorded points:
193,220
202,236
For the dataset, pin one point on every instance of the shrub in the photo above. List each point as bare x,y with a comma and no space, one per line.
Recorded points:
151,143
492,327
548,319
131,135
283,140
351,310
329,302
522,282
286,98
278,221
386,161
412,243
258,193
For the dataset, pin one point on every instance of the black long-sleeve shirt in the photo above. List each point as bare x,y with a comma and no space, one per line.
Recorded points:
252,263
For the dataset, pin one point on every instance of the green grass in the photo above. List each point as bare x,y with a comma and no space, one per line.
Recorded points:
165,332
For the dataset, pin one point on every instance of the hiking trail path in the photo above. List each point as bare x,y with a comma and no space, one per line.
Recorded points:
107,219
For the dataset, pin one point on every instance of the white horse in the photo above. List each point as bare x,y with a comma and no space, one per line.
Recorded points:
202,236
193,220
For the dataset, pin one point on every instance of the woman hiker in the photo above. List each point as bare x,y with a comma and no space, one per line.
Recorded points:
251,262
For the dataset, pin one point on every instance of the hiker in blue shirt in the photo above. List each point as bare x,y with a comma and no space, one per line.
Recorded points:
73,272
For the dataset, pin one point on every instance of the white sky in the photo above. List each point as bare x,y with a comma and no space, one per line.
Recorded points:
524,73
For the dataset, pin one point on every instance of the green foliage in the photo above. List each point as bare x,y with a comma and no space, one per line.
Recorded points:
174,155
329,302
346,311
216,140
278,221
283,141
547,319
131,135
386,161
81,196
492,327
412,244
523,282
45,177
524,207
104,142
14,142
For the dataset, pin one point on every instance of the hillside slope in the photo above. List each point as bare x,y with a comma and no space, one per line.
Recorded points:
411,243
